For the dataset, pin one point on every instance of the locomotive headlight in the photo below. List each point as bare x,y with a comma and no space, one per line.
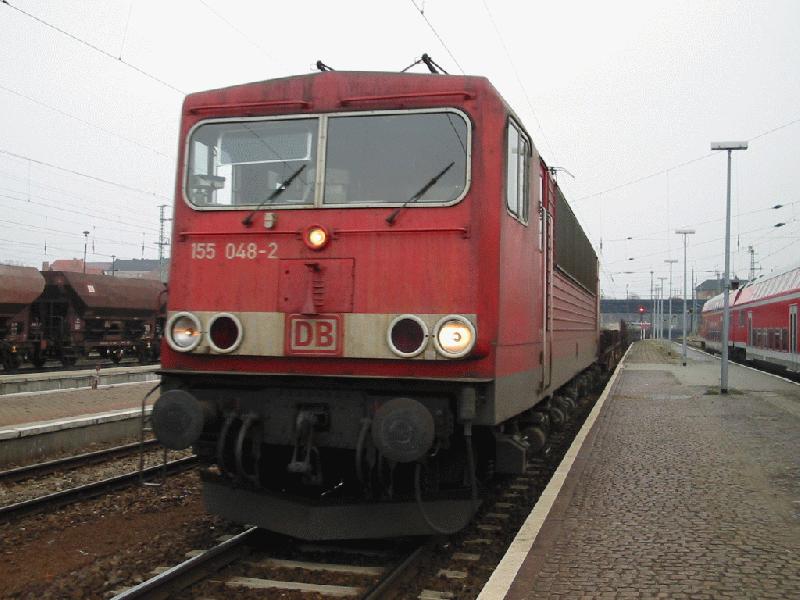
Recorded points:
316,237
183,332
224,332
455,336
407,336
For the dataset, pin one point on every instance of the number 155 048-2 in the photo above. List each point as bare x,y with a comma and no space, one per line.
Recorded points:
242,250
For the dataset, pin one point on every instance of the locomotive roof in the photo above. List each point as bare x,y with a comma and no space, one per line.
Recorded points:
348,82
339,91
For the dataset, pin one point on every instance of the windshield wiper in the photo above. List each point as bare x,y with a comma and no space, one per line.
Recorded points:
391,218
248,220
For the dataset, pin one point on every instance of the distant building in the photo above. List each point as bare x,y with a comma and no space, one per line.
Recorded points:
708,289
636,311
137,268
713,287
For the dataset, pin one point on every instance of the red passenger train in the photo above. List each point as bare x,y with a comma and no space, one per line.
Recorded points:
763,321
378,296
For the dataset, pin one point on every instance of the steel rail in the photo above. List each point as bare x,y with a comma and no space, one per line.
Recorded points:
192,570
70,462
389,580
91,490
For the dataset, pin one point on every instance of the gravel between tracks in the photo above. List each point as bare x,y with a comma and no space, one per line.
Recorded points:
78,476
89,549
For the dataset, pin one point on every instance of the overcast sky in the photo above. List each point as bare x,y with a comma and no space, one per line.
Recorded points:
627,96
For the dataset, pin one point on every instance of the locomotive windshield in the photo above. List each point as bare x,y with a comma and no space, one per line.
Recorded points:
368,159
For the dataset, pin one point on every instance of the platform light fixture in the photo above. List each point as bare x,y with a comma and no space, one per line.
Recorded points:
685,233
670,262
729,147
661,307
85,244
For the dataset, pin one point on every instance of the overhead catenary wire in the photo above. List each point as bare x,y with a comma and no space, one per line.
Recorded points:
76,250
63,232
29,180
519,79
681,164
711,241
697,224
85,122
438,37
238,30
88,176
97,49
104,218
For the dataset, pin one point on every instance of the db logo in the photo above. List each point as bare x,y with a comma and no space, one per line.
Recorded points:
314,336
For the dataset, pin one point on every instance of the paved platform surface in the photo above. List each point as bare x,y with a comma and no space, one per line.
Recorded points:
21,409
678,492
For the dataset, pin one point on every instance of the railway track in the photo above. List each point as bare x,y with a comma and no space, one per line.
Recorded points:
90,490
72,462
257,562
231,567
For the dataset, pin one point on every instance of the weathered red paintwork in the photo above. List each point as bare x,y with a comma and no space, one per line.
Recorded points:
469,258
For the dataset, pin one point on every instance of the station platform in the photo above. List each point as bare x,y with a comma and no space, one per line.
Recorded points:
676,491
34,426
29,408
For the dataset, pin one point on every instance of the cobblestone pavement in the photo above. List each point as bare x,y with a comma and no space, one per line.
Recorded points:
48,406
678,492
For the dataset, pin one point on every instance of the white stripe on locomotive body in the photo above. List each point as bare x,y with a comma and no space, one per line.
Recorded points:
364,334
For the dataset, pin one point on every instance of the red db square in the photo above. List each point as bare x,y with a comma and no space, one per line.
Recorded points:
314,336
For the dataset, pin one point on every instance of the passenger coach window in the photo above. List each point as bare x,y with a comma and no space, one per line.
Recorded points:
243,163
518,151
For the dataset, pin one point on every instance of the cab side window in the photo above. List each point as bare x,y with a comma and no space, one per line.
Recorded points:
518,152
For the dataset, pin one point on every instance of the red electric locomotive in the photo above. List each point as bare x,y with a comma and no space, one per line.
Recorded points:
378,296
763,321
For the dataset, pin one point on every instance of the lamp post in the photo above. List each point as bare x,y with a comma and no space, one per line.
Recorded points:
661,308
85,243
652,305
685,233
671,262
726,282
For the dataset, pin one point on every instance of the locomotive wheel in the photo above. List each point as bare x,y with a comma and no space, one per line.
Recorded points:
557,417
567,406
11,363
